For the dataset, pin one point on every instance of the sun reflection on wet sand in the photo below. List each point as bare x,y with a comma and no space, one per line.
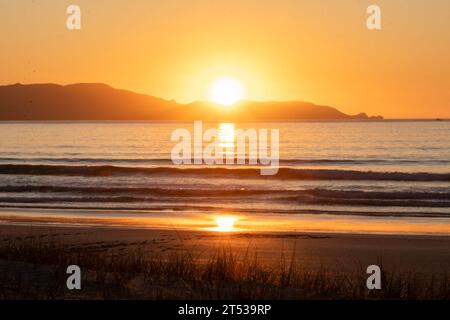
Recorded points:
225,224
229,223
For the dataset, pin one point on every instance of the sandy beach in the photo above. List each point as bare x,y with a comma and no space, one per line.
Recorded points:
136,263
428,254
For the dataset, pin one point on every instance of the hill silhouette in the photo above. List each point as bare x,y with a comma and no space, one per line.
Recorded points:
92,101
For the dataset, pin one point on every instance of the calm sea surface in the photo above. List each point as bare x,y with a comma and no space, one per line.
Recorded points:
380,177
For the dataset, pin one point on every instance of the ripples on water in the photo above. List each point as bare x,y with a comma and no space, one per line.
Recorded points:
376,169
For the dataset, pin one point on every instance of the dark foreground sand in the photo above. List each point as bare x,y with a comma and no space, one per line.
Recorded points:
427,254
120,263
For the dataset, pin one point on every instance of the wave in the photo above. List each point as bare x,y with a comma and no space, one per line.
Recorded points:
150,208
89,160
283,162
371,202
136,191
298,200
222,192
283,173
303,197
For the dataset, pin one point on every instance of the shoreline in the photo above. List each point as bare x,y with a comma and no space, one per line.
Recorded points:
436,119
199,221
209,231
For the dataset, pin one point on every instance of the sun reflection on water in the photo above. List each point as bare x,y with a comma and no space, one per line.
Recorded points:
226,135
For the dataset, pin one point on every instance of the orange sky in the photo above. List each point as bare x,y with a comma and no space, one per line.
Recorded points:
318,51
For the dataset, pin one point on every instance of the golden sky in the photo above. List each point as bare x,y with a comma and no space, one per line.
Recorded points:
317,51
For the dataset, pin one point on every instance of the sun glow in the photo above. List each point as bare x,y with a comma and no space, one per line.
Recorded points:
225,224
227,91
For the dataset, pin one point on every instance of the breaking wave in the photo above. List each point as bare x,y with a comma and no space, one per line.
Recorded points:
283,173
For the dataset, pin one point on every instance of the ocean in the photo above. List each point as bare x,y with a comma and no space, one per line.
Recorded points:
340,176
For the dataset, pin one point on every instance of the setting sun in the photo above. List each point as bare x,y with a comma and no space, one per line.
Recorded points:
225,224
227,91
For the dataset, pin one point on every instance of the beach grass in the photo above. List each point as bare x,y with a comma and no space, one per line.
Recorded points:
36,269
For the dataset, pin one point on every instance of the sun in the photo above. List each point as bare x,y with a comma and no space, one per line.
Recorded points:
227,91
225,224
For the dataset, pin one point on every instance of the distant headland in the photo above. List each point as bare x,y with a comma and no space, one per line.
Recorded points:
93,101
